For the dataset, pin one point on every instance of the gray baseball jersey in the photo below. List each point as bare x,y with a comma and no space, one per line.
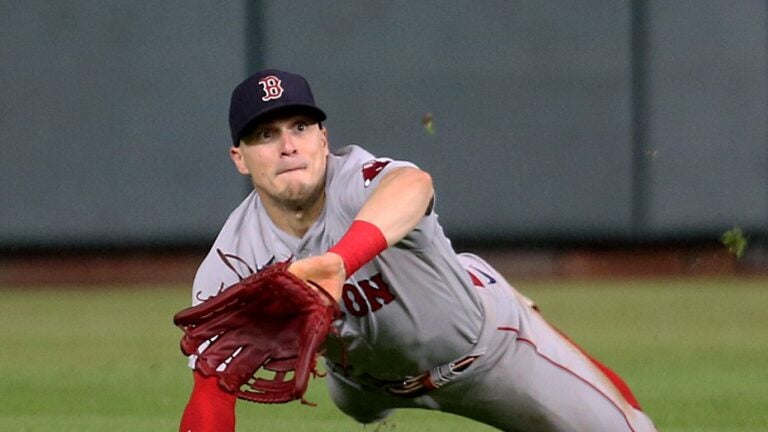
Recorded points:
419,308
396,322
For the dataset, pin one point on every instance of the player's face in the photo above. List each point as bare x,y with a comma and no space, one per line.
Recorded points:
286,160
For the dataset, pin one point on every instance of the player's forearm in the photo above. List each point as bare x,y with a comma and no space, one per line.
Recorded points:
394,208
398,203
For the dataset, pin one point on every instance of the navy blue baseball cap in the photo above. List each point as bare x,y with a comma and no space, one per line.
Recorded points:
265,93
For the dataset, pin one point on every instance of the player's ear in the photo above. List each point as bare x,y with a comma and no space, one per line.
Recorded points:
324,134
236,154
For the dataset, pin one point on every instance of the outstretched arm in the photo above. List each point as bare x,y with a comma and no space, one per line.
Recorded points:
395,207
398,203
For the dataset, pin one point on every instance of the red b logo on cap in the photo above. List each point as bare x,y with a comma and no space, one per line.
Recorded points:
272,88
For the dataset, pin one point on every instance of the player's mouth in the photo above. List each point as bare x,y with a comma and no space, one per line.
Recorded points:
290,168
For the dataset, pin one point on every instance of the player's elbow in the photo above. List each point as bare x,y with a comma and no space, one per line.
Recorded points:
428,191
413,186
423,181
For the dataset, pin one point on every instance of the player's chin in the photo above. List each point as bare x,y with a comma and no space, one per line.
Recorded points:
298,194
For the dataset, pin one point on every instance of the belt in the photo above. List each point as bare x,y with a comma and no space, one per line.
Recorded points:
429,380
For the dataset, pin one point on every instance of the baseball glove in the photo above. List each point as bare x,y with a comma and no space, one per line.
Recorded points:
271,320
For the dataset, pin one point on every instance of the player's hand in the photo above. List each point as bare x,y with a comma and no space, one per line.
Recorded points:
326,270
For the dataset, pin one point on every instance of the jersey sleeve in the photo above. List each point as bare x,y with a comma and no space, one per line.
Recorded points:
356,174
230,259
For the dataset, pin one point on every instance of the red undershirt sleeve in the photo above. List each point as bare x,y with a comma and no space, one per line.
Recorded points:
210,409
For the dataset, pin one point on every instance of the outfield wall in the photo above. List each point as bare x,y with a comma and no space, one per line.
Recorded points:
587,121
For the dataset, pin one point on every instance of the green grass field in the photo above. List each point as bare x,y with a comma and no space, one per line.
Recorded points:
694,351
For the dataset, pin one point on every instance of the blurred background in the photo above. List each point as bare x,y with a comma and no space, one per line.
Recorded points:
566,138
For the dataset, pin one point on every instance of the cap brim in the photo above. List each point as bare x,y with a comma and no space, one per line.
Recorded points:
282,111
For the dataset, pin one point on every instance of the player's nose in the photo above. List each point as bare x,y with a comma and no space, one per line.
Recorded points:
287,143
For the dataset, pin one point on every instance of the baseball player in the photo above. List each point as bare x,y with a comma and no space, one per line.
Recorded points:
421,326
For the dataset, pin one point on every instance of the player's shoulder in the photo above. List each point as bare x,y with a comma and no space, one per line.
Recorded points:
355,165
238,223
245,209
230,256
350,155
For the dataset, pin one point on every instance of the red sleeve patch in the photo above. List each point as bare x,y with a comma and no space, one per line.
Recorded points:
372,169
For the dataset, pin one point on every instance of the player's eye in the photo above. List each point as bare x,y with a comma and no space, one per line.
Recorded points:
263,135
301,126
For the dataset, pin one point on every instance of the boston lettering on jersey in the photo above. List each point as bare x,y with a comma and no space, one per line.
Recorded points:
368,296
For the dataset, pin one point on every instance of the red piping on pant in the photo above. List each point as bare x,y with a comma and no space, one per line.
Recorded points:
580,378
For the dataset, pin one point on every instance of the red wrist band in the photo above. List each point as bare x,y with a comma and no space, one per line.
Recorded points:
360,244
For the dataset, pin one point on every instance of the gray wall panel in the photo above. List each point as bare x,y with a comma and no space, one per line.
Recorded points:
531,102
113,116
113,120
708,156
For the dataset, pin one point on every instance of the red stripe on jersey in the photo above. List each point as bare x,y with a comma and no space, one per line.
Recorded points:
475,280
580,378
